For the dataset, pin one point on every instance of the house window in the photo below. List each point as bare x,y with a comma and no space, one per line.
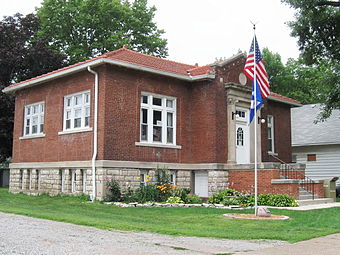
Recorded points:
34,119
144,178
83,173
62,180
37,179
158,119
240,137
311,157
173,178
77,111
270,128
73,180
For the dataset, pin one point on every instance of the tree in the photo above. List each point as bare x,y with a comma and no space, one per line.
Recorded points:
82,29
297,80
22,56
317,28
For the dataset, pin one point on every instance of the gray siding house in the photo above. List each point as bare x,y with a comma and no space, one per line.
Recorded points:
316,145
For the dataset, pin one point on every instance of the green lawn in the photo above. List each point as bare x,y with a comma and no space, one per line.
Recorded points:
206,222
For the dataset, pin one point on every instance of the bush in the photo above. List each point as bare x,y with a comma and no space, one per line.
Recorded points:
222,195
174,200
232,197
147,193
192,199
114,193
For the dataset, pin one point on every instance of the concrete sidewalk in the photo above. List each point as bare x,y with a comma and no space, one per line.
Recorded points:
327,245
309,207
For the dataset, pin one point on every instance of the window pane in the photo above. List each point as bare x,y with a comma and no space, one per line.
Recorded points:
42,108
41,128
169,103
170,135
77,113
28,122
144,99
68,115
157,118
157,134
157,101
87,121
68,124
68,102
27,130
87,98
28,110
34,129
87,111
35,109
144,133
170,119
270,145
34,120
77,122
77,100
144,116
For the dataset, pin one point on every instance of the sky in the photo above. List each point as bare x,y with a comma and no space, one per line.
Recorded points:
201,31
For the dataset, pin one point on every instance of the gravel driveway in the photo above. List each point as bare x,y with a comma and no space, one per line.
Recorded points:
25,235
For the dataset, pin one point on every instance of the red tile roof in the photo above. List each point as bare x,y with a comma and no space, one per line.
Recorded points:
283,98
135,58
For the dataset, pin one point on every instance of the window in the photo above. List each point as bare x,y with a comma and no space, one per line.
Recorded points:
240,137
77,111
270,128
158,119
83,173
37,184
34,119
62,180
144,178
173,178
73,180
311,157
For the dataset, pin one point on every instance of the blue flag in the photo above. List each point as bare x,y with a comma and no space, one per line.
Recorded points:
258,100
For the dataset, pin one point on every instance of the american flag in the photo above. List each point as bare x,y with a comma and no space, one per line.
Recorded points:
261,74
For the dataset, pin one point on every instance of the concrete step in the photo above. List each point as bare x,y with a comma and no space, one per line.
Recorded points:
315,201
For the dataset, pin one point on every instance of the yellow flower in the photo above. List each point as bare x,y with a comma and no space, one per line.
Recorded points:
138,178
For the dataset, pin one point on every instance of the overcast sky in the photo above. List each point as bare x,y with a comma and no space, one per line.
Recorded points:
199,31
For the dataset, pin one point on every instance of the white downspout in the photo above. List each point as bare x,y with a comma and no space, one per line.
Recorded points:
95,133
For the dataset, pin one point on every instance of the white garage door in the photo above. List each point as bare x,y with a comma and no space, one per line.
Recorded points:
201,183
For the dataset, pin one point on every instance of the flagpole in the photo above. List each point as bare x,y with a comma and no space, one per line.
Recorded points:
255,122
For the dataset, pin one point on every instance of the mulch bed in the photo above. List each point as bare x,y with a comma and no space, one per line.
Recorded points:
254,217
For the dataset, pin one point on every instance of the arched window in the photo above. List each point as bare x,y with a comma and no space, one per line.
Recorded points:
239,137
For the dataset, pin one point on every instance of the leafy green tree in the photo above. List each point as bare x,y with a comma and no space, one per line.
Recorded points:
22,56
82,29
297,80
316,26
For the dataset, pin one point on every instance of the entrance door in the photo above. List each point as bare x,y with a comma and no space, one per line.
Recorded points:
201,183
242,139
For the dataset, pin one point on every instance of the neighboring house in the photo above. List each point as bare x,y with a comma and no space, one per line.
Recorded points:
124,114
316,145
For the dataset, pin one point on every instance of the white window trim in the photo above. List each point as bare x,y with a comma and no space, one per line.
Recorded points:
84,177
39,115
72,108
271,126
150,107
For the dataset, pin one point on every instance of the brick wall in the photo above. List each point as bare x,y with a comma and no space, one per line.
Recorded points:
282,131
243,181
52,147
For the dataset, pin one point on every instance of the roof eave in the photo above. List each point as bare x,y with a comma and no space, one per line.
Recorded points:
108,61
284,101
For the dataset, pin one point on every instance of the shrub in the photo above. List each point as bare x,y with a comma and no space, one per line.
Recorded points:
222,195
147,193
176,200
193,199
162,176
182,193
114,193
273,200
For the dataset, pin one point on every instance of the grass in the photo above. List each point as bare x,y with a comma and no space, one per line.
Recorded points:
204,222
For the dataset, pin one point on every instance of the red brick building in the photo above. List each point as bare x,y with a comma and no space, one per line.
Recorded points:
124,114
